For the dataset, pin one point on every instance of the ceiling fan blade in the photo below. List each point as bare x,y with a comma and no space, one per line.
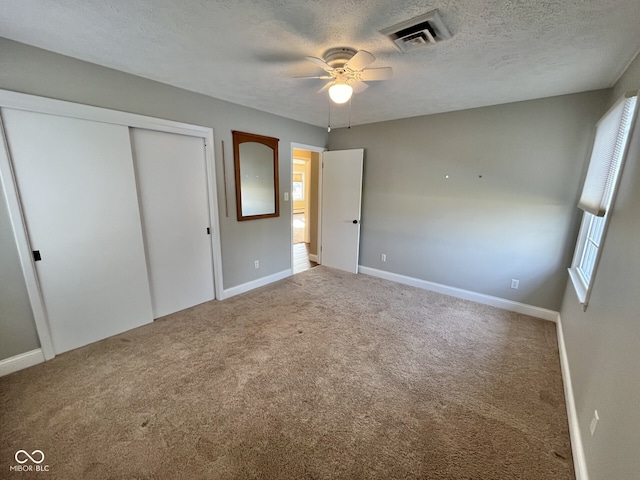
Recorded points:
374,74
326,87
322,77
321,63
360,60
358,86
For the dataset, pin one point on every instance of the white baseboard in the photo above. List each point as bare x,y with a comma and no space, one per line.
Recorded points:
510,305
19,362
313,258
259,282
579,460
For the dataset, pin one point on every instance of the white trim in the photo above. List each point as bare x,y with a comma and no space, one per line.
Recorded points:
302,146
257,283
313,258
579,285
33,103
577,450
505,304
50,106
20,362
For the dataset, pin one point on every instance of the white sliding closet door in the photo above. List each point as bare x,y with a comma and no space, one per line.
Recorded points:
77,188
172,187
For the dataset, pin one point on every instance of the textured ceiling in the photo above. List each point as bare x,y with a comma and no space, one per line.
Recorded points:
247,52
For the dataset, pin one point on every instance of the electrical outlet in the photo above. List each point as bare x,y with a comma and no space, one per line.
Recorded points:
257,263
515,283
594,422
383,257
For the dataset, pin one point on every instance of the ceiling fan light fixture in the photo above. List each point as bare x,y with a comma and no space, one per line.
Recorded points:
340,92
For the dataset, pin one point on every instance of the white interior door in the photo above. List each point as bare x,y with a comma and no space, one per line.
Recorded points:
172,187
77,188
341,200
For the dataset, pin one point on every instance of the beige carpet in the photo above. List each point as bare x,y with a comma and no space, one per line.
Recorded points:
323,375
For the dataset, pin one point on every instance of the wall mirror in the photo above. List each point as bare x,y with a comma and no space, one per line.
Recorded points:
256,166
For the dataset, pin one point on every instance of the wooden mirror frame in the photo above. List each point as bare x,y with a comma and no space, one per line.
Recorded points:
271,142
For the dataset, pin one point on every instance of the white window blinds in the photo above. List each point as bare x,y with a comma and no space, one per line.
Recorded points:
609,147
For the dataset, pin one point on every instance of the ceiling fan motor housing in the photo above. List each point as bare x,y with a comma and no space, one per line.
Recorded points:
338,57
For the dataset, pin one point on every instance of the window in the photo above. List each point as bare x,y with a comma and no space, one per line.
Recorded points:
598,193
297,191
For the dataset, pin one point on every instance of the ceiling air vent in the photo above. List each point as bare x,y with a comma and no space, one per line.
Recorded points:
421,31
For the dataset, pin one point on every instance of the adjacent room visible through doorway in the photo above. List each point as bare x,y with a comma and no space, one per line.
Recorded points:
304,195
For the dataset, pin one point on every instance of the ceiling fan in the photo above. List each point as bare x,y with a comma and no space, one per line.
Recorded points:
347,72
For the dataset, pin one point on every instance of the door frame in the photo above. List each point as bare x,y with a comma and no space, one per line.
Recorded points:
311,148
33,103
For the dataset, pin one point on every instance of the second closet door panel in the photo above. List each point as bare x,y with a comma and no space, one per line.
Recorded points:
77,188
172,188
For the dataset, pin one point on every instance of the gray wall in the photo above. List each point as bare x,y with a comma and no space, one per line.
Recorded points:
603,342
518,221
34,71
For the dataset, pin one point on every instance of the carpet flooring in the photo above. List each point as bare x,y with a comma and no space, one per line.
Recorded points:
324,375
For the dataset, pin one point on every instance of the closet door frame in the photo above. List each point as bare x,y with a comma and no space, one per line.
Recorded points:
20,101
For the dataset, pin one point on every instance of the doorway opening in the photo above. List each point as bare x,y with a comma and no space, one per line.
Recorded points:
305,208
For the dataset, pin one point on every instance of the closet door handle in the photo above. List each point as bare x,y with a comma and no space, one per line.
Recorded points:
36,256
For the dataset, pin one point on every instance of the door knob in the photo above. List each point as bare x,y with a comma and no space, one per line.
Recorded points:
355,221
